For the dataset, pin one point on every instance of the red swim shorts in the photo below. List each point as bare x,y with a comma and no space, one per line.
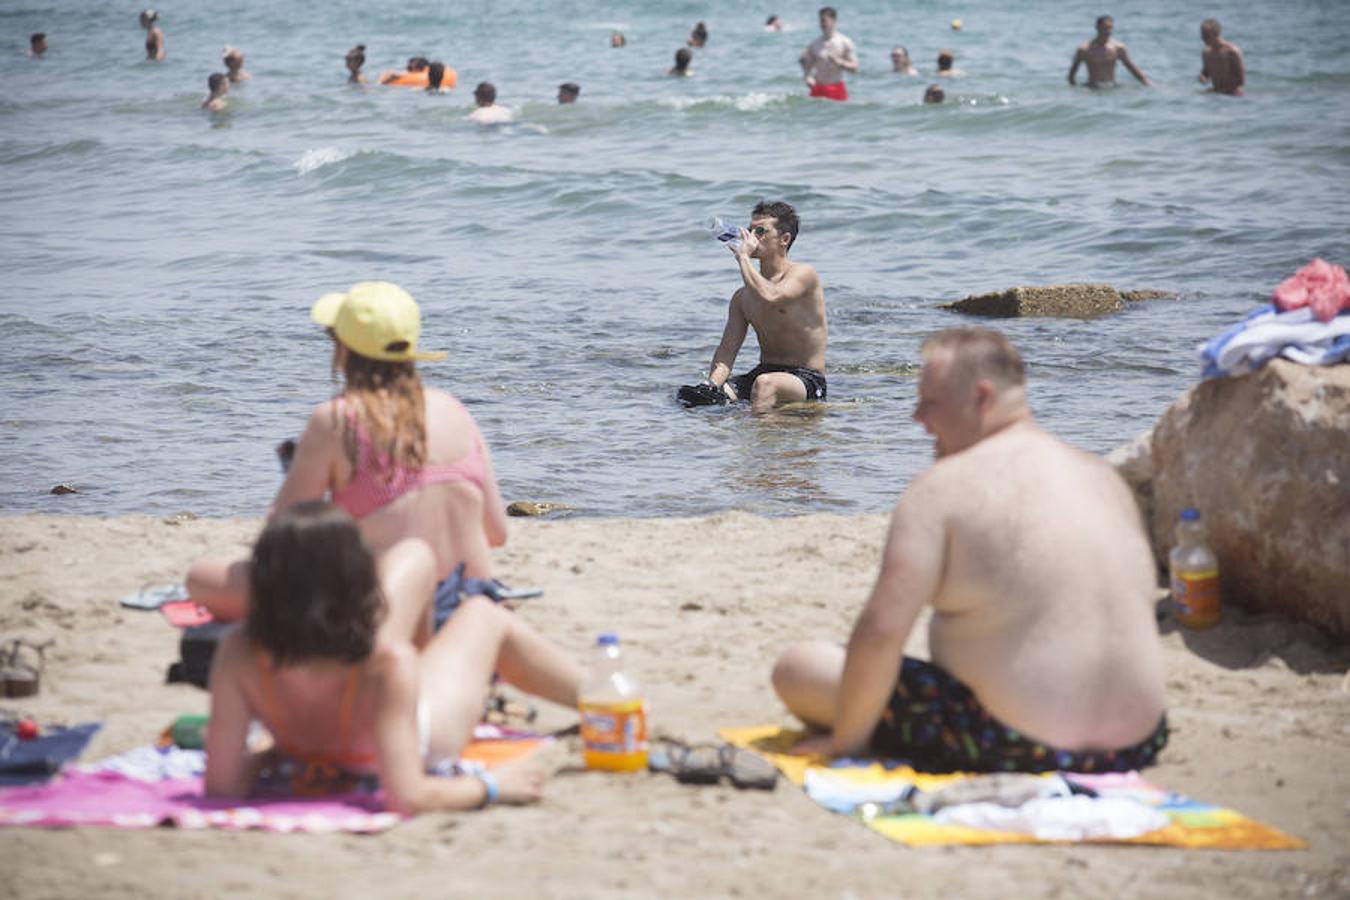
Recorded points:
835,91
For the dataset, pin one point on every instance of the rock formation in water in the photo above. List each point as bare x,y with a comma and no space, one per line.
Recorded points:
1080,301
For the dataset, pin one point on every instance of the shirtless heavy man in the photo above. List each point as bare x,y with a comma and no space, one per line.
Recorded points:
1100,54
786,305
1222,65
1045,650
827,58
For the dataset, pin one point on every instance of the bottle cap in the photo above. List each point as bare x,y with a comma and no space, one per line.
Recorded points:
1190,514
607,639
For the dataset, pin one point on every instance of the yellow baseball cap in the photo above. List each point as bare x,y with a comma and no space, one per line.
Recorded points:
376,319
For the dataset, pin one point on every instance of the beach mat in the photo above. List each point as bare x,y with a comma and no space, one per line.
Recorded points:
126,792
858,787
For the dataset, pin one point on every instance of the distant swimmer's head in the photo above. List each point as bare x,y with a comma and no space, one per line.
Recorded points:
900,60
234,60
774,224
218,84
972,380
376,320
37,43
1211,31
435,75
148,17
568,92
418,64
945,60
314,587
485,94
682,59
1105,24
828,19
356,58
699,36
934,94
616,39
773,23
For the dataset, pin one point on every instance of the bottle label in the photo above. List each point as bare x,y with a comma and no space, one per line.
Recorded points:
616,727
1196,595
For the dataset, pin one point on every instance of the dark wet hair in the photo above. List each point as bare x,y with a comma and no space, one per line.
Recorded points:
783,215
700,31
828,11
435,74
1101,20
570,87
214,81
934,94
485,91
770,20
682,59
945,60
418,63
315,593
37,36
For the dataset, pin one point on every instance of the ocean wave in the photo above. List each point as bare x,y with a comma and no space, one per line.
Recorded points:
314,159
752,102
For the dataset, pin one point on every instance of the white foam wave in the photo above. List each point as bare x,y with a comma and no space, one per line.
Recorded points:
745,103
319,157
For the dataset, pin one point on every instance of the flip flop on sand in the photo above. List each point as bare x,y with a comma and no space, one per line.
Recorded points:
710,763
154,597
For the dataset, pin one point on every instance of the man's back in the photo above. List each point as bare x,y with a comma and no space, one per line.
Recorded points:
1045,605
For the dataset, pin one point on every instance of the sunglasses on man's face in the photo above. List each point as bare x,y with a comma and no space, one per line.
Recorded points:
758,230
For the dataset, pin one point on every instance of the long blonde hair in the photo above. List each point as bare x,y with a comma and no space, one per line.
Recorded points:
387,401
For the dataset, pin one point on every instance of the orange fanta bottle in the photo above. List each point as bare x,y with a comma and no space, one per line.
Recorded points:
613,713
1195,574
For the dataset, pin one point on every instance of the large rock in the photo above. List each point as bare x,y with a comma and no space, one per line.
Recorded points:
1266,459
1079,301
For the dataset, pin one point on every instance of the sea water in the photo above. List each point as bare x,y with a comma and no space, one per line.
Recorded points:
159,261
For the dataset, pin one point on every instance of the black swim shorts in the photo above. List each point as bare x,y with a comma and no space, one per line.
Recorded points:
813,380
936,723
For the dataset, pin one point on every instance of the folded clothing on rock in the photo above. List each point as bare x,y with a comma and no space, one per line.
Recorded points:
1266,333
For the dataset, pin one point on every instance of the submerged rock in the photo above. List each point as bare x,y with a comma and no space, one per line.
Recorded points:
1079,301
63,489
1266,459
532,508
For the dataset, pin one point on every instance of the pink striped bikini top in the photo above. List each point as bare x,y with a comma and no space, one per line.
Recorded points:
376,482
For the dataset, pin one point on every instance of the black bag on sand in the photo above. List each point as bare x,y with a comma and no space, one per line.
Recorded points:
197,646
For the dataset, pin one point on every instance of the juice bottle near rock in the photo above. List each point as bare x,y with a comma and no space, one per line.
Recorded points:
613,713
1194,574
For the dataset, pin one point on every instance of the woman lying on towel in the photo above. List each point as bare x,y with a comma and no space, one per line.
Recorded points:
340,703
406,461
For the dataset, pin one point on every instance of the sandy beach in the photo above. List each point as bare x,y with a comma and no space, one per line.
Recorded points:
1259,709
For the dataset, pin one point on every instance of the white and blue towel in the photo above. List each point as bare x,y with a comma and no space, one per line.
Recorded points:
1266,333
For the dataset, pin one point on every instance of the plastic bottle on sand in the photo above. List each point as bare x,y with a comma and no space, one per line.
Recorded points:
613,713
1195,574
720,231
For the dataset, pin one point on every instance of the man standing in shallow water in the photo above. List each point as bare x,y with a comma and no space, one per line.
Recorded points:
1044,647
786,305
1222,65
1100,55
826,59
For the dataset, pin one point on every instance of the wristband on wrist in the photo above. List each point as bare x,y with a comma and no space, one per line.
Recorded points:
491,789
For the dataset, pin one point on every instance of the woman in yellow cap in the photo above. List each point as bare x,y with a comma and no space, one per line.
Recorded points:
406,461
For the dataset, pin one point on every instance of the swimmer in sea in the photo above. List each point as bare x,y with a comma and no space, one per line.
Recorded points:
435,77
37,45
220,86
827,58
1222,66
1100,55
568,92
699,36
234,65
415,64
934,94
616,39
356,58
944,65
900,62
154,37
773,23
681,68
488,112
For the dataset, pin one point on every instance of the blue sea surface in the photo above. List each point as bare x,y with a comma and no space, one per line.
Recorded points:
160,261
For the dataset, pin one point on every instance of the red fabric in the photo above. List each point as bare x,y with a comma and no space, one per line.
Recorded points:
835,91
1319,285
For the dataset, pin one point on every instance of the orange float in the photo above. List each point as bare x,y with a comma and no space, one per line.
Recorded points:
417,79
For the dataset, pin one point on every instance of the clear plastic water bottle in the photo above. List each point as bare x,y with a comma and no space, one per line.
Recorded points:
1195,574
613,713
719,230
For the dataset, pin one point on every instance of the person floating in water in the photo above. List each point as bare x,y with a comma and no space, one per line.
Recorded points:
945,68
934,94
234,65
681,68
1100,55
37,44
356,58
1044,649
773,23
568,92
436,78
154,36
488,112
1221,61
901,63
219,86
616,39
785,304
826,59
417,65
699,36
